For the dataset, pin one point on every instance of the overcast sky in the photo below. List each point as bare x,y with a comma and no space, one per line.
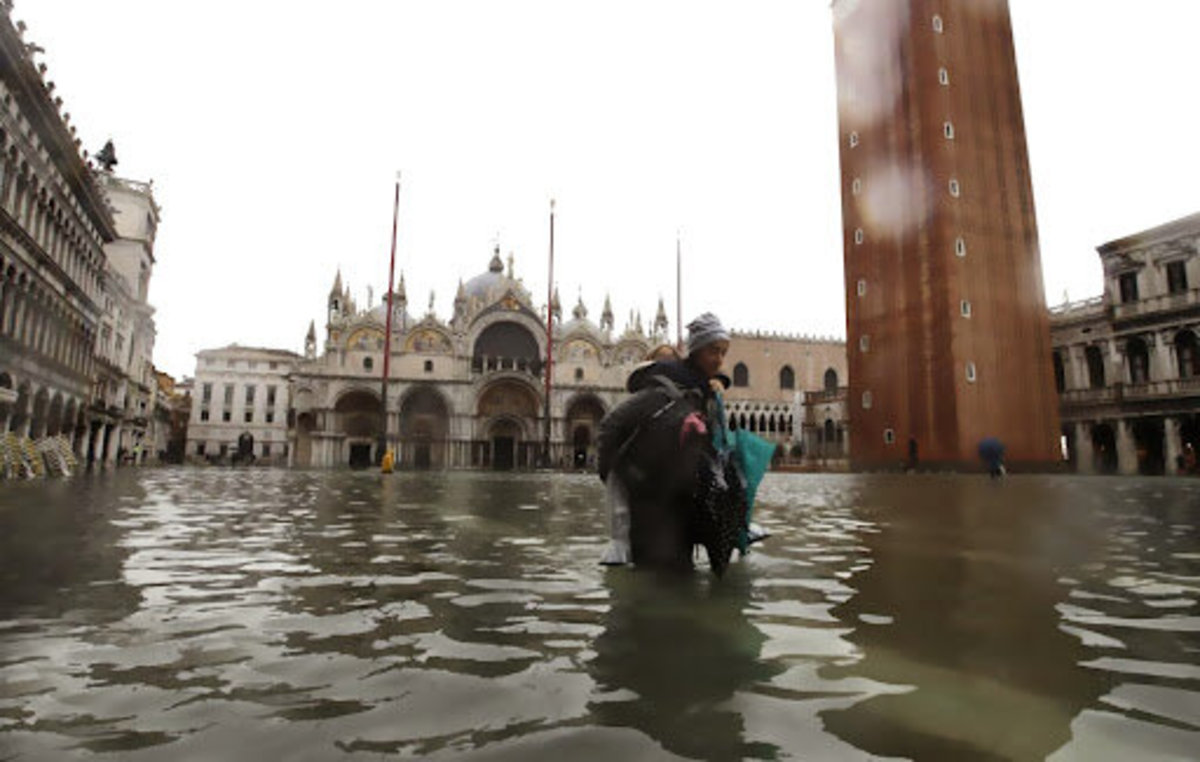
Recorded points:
273,131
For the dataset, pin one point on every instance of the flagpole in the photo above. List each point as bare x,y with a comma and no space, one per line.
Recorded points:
678,294
384,450
549,346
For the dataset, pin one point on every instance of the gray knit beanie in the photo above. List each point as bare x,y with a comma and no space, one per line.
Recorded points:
704,330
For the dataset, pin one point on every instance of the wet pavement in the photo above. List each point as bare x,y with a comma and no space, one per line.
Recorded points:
269,615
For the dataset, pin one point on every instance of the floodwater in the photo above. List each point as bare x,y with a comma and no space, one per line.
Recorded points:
274,615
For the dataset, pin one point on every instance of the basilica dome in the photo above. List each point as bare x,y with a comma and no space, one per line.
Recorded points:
486,286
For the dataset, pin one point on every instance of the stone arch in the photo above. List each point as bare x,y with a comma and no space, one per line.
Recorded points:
54,415
357,418
424,428
37,415
583,415
508,411
506,345
20,408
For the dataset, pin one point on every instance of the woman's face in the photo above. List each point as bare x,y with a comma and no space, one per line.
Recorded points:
708,358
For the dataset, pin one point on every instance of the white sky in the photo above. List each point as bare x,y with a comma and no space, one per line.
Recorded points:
273,132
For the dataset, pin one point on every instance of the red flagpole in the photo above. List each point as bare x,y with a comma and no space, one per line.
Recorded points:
549,343
387,333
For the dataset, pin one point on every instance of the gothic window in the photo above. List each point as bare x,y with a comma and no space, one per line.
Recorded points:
943,76
948,130
429,366
753,423
960,247
787,377
771,424
1095,363
889,436
1060,375
368,363
579,374
742,421
762,421
831,380
741,375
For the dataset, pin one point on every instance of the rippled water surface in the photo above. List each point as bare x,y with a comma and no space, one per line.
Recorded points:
275,615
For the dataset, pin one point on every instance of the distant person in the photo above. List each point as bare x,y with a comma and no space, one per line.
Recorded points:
913,458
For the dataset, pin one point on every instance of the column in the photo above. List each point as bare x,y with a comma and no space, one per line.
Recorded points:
114,443
1126,449
1115,372
1163,349
1085,451
1172,443
98,443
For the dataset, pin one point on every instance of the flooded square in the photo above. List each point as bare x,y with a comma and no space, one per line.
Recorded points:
230,614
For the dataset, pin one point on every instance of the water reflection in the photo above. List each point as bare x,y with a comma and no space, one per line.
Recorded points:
221,614
674,651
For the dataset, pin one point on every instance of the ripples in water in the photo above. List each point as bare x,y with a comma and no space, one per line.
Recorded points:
223,614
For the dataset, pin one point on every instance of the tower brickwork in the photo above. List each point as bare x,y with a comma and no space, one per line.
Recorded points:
947,331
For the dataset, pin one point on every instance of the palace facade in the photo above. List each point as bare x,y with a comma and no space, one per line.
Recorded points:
469,392
1127,365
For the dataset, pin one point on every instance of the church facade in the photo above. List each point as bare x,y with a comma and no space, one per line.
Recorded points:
470,392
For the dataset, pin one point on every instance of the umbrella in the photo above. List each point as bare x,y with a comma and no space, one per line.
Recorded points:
991,451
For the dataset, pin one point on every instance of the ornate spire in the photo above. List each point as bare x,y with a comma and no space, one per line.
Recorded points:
401,296
312,331
511,270
556,306
606,317
496,265
660,319
337,284
460,296
637,323
580,312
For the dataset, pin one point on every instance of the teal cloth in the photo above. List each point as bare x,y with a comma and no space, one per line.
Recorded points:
752,454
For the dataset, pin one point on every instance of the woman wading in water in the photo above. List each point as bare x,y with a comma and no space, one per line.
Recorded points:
664,456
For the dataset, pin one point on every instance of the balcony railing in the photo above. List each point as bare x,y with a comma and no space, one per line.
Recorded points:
1150,390
1155,304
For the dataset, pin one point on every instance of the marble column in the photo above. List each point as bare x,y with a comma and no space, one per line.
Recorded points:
113,444
1172,444
1163,351
98,444
1085,451
1127,462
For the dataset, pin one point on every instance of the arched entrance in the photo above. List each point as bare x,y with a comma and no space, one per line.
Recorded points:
506,346
584,413
1149,442
1104,445
424,429
358,421
508,410
504,436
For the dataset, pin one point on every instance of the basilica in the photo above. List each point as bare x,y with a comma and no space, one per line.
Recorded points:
470,391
